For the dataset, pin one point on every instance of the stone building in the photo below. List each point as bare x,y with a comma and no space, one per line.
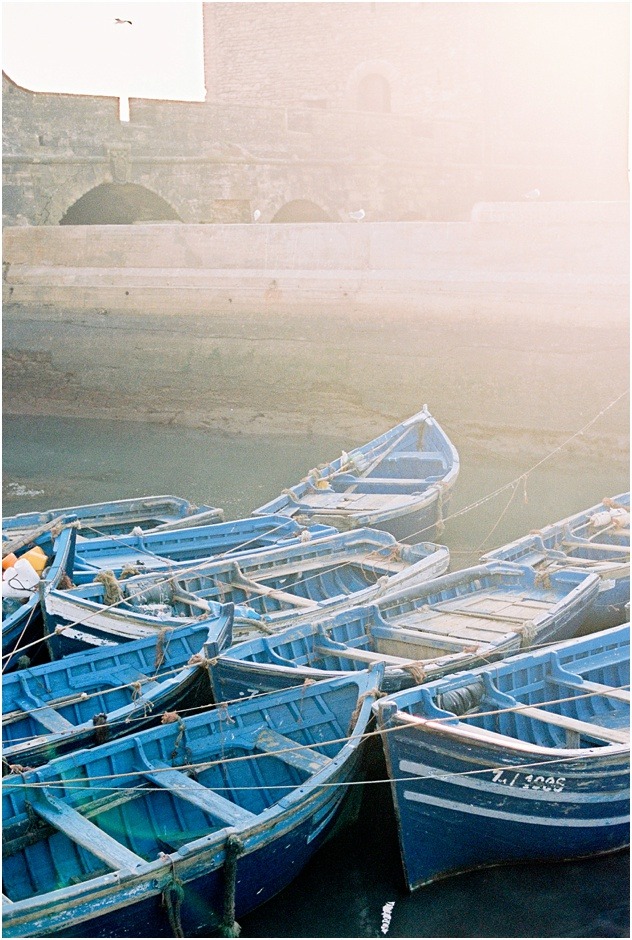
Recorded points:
315,111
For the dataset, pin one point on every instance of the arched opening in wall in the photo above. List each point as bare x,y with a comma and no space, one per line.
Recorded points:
301,210
374,93
119,204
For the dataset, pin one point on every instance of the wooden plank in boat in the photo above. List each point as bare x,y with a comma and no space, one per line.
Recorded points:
302,757
253,587
611,735
46,716
464,630
365,656
193,792
622,550
357,502
83,832
584,685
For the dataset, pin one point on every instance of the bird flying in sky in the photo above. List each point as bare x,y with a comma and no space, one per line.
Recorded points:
120,22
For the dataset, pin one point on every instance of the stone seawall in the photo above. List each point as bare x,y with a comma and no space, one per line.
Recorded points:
510,326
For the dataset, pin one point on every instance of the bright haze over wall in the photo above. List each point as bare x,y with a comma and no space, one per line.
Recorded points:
79,48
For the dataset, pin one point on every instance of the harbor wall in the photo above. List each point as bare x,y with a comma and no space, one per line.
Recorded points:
521,314
507,251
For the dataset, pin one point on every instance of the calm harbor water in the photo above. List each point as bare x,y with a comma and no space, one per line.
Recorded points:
343,891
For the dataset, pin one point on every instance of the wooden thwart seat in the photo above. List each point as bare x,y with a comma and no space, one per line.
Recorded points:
622,695
574,725
46,716
83,832
300,756
365,656
193,792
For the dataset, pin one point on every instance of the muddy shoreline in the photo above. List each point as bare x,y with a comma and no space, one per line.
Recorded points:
508,382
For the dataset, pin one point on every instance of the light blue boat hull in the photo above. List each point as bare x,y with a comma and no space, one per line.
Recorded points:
101,694
23,626
157,551
413,631
400,482
595,539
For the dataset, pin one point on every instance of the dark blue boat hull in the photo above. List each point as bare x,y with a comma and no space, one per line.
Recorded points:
496,817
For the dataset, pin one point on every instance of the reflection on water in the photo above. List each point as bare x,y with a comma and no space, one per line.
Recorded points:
343,892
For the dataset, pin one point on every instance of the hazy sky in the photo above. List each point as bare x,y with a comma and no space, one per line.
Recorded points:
78,48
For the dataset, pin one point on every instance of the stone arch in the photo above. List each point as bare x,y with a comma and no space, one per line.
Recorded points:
119,204
371,86
301,210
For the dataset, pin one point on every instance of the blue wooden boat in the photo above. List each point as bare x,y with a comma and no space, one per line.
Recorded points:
400,482
148,513
21,620
596,540
526,760
103,693
269,589
428,630
156,551
185,826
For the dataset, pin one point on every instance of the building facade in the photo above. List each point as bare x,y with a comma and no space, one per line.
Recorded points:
327,111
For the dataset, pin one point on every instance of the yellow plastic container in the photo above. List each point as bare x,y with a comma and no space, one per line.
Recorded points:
37,558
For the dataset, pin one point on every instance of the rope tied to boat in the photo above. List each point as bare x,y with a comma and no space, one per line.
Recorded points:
417,671
168,718
229,926
290,495
440,524
382,584
528,633
65,583
198,659
128,571
160,649
543,579
172,898
356,711
112,590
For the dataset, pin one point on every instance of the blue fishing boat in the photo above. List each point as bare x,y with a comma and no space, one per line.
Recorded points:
269,588
526,760
596,540
150,513
186,826
100,694
419,633
401,482
21,616
155,551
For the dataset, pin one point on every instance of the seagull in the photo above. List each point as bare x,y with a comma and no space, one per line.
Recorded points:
120,22
532,194
256,215
357,216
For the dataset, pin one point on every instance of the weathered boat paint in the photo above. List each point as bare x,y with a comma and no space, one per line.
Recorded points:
24,624
240,849
269,589
400,482
596,540
103,693
526,760
422,632
156,551
150,513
